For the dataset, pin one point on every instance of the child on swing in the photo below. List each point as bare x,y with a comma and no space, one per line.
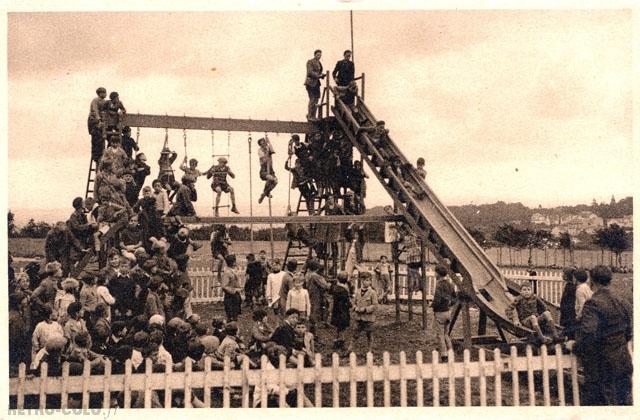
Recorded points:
219,183
166,176
192,173
267,174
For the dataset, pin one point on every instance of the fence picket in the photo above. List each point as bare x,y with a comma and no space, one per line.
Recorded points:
282,365
317,380
22,373
335,363
452,379
207,387
44,368
263,381
167,385
299,383
369,379
530,383
497,363
147,382
65,382
482,377
386,384
226,391
127,383
466,356
419,380
515,377
86,373
559,374
575,386
403,379
353,401
435,361
106,385
545,376
245,381
188,365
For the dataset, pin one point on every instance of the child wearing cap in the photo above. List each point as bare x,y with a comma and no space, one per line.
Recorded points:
219,183
229,347
365,305
531,312
94,124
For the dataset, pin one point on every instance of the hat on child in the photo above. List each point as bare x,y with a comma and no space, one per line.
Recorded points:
210,343
69,283
55,342
140,339
156,319
222,159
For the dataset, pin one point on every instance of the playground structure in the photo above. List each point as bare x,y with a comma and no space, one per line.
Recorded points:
480,283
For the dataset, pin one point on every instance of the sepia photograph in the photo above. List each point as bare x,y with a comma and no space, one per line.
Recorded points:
319,205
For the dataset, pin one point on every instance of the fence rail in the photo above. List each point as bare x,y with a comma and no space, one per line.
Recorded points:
546,377
548,285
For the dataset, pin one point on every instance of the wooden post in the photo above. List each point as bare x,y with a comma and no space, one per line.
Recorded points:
271,232
396,276
250,197
466,324
482,323
424,285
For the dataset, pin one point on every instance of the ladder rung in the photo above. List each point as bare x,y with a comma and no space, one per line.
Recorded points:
221,207
220,155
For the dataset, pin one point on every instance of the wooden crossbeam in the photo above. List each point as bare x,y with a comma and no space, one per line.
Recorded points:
293,219
221,124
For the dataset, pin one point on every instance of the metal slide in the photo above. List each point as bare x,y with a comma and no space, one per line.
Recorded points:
432,221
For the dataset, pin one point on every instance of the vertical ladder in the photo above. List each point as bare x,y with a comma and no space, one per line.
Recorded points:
295,247
91,178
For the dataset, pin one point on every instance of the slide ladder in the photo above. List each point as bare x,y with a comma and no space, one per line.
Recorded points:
430,219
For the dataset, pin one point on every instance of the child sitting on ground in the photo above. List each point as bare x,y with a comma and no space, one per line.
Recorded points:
531,312
304,344
230,346
261,333
192,172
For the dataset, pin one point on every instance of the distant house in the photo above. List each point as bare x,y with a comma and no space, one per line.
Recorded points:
575,224
540,219
625,222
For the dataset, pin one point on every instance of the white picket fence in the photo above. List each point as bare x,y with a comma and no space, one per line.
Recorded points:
548,284
466,382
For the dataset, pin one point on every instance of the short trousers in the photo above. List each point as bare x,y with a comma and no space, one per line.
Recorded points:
366,326
224,187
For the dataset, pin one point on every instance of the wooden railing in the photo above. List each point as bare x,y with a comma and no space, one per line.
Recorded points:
492,379
206,288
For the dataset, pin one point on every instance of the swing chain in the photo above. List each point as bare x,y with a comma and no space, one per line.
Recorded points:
137,134
184,138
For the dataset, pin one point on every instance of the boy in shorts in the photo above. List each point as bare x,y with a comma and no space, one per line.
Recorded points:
365,305
532,312
219,183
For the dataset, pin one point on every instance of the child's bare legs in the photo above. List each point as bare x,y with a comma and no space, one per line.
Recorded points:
233,201
533,323
547,319
218,191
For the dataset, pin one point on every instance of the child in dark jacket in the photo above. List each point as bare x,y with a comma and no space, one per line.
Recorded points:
531,312
443,299
340,313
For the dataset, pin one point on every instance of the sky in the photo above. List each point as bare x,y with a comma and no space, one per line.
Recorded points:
531,106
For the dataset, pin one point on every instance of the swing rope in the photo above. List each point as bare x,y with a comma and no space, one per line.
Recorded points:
137,134
166,139
184,139
250,196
